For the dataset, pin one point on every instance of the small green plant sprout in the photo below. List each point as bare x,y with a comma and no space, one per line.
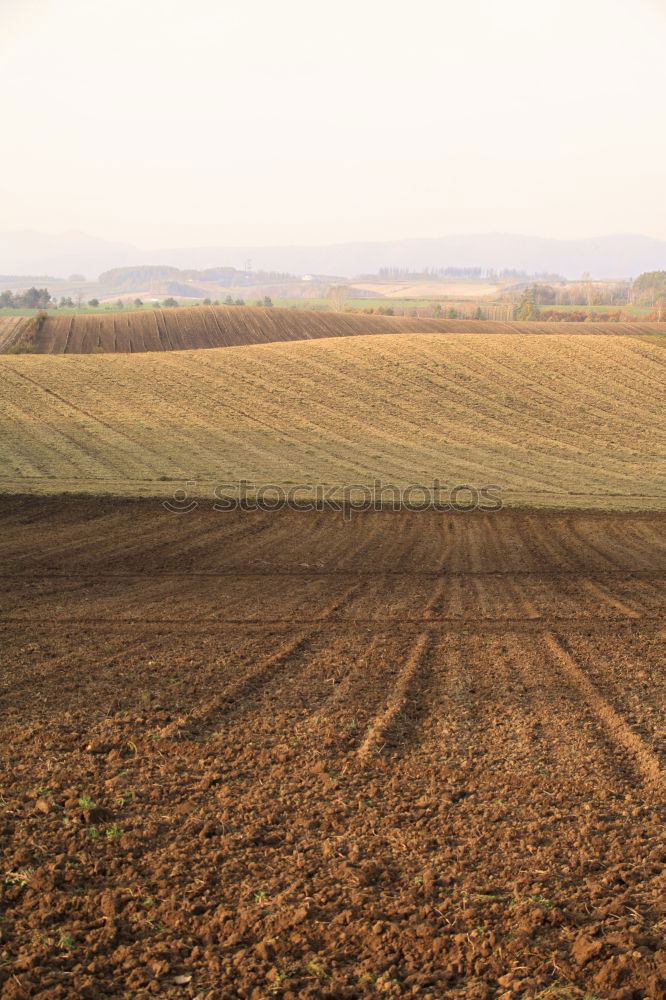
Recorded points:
261,897
541,901
114,832
20,877
558,992
316,969
278,980
92,833
66,942
86,803
489,897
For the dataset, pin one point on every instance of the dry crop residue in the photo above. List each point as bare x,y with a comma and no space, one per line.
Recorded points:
553,421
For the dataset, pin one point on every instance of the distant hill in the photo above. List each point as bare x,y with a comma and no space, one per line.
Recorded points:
13,282
144,276
619,256
623,256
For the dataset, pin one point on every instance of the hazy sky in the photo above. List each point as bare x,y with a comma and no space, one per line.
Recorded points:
166,123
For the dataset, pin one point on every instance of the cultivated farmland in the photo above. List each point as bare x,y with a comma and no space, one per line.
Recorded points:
180,329
332,755
553,421
262,754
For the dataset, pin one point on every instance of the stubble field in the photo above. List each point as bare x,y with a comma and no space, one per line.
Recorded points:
255,754
569,421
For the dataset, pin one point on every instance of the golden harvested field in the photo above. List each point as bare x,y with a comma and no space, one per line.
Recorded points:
565,421
220,326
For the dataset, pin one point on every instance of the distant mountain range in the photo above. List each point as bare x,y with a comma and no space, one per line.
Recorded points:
620,256
61,254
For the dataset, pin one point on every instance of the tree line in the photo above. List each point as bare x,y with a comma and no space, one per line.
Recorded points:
41,298
469,273
32,298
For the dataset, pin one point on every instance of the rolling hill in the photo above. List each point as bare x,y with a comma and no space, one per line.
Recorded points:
562,420
220,326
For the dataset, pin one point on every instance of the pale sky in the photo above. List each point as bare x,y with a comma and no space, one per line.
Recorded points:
170,123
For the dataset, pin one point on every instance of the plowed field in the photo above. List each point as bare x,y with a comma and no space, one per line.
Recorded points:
255,754
15,330
220,326
562,420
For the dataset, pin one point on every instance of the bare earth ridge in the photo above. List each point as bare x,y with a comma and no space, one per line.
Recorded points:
255,754
225,326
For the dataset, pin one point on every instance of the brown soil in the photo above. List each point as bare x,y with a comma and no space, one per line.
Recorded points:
255,754
224,326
